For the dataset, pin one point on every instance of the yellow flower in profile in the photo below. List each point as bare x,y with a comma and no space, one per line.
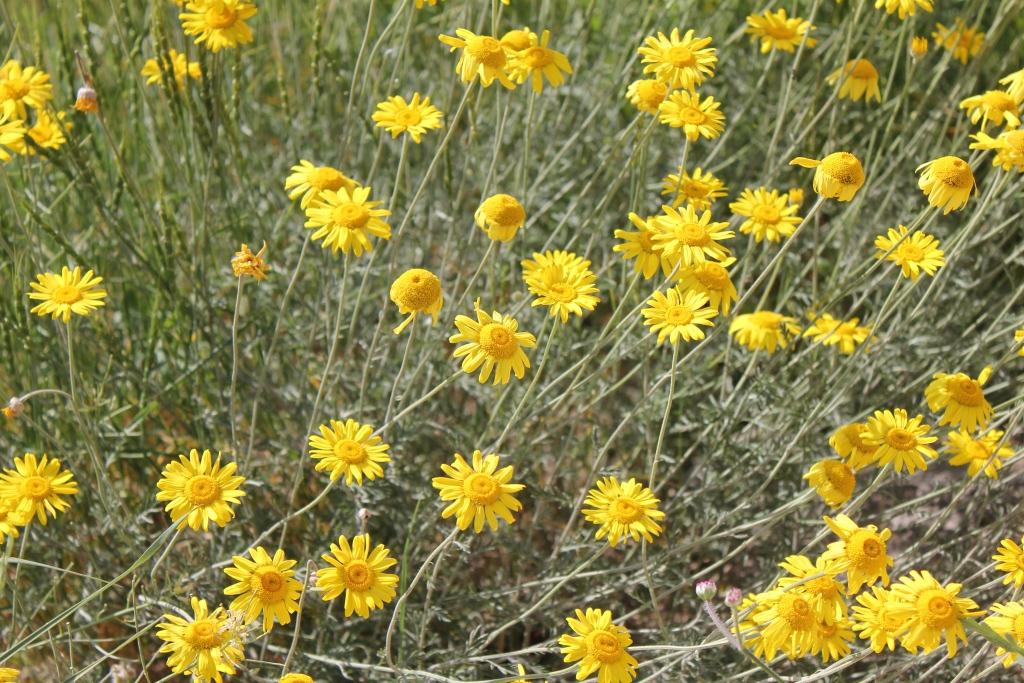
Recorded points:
12,135
860,552
623,510
646,94
296,678
678,61
763,330
918,47
203,647
712,280
67,293
689,237
416,291
563,287
676,315
1014,85
838,176
181,69
1008,147
901,440
21,88
264,584
963,41
846,334
697,117
244,262
849,444
492,343
349,448
930,612
308,181
834,481
995,106
962,398
1008,621
769,214
48,130
776,31
904,8
537,62
199,490
816,581
916,253
599,646
1009,559
35,488
699,190
500,216
873,622
414,117
859,79
479,493
979,454
360,573
482,56
218,24
639,245
346,221
787,623
517,39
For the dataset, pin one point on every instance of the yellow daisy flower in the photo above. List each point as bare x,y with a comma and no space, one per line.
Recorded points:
623,509
838,176
346,221
639,245
860,552
848,443
995,106
763,330
1009,559
11,519
218,24
768,212
266,584
360,573
787,623
416,291
203,647
181,69
831,641
776,31
963,41
904,8
1008,147
978,453
308,181
21,88
246,263
564,289
35,488
67,293
482,56
948,182
199,490
846,334
900,440
931,611
699,190
599,646
834,481
500,216
918,47
697,117
678,61
537,62
676,315
816,581
689,237
859,79
414,117
1007,621
916,253
8,675
873,621
712,280
349,448
12,135
479,493
646,94
962,398
493,343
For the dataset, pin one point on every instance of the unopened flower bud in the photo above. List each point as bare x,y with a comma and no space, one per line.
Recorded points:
706,590
85,100
733,597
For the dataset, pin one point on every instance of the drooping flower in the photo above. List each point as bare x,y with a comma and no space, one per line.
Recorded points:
86,100
712,280
308,181
763,330
599,646
838,176
180,69
417,291
914,254
900,440
1008,621
639,245
904,8
345,221
679,61
479,493
677,315
962,40
500,216
979,454
264,584
202,647
860,552
930,611
859,79
23,87
482,56
623,510
848,443
873,621
995,106
537,62
776,31
699,190
492,343
349,448
646,94
360,573
414,117
961,398
948,182
199,490
246,263
36,488
1008,147
834,481
689,237
846,334
218,24
769,214
816,580
1009,559
67,293
696,116
563,288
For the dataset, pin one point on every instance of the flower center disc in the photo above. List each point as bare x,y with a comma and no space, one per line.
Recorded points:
910,252
349,451
326,178
713,276
481,488
766,213
560,291
220,16
37,488
872,548
838,475
692,115
267,581
954,172
66,294
486,50
202,489
504,211
862,70
537,57
358,576
679,315
680,56
795,611
780,31
936,609
900,439
497,342
625,511
843,167
604,646
694,234
1018,628
966,391
408,116
350,215
202,634
17,88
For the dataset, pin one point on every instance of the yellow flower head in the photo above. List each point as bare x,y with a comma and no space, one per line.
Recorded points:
646,94
349,448
838,176
308,181
930,612
1009,559
678,61
873,622
914,253
1008,147
834,481
296,678
677,315
979,454
918,47
47,132
697,117
961,40
639,245
537,62
180,69
11,518
860,552
900,440
23,87
12,135
776,31
712,280
962,398
360,573
689,237
787,622
995,106
203,647
244,262
623,510
35,488
561,281
699,190
846,334
500,216
1007,620
859,79
599,646
769,214
494,343
832,641
199,490
414,117
848,443
346,221
8,675
479,493
416,291
763,330
517,39
218,24
816,581
904,8
67,293
482,56
264,584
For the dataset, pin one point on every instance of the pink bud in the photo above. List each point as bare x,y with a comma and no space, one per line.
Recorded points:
706,590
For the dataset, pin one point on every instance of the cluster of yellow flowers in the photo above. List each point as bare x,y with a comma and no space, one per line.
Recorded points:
27,118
